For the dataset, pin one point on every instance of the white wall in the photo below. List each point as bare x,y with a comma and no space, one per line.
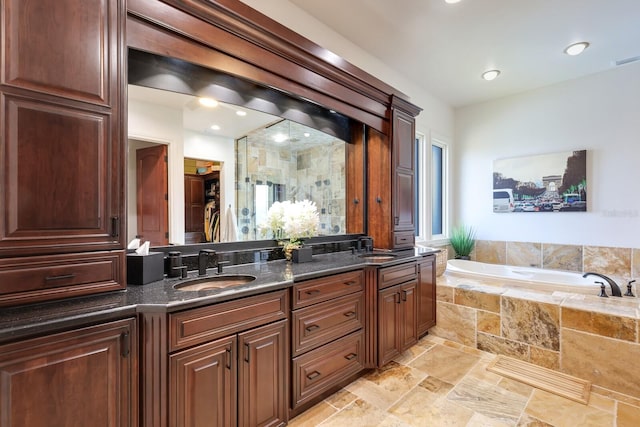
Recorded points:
159,124
599,113
153,123
436,117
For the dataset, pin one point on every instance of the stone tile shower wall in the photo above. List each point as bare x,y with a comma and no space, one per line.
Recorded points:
622,264
312,173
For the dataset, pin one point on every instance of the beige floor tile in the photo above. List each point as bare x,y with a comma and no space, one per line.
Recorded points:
479,372
446,363
436,386
627,415
422,408
489,400
516,387
359,413
562,412
313,416
383,388
479,420
341,398
407,356
602,402
528,421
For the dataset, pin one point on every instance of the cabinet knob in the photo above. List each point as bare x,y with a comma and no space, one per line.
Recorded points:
378,199
356,201
350,314
351,356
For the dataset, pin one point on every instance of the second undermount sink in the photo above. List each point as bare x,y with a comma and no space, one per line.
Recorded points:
378,256
215,282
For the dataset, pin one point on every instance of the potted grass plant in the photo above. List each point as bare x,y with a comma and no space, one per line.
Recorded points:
462,241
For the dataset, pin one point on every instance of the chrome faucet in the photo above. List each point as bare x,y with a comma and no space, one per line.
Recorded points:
203,260
615,289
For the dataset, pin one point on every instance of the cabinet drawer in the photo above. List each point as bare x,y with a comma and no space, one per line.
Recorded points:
404,239
389,276
320,369
31,279
322,323
318,290
199,325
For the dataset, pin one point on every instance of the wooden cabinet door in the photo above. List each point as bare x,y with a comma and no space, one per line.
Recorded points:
193,203
61,146
408,315
263,376
426,294
404,196
79,378
203,385
389,305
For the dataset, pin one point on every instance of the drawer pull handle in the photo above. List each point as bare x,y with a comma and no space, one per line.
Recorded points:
351,356
404,295
350,283
314,374
62,277
397,297
313,292
312,328
350,314
247,351
228,354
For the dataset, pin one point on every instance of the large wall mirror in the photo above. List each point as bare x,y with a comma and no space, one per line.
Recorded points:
209,153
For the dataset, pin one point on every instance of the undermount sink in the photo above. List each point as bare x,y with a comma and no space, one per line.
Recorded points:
215,282
378,257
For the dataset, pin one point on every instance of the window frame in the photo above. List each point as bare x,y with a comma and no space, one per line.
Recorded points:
424,184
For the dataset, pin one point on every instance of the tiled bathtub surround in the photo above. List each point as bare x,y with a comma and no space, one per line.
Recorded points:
582,335
622,264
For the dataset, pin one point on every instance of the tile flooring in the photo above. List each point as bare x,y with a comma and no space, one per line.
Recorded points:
442,383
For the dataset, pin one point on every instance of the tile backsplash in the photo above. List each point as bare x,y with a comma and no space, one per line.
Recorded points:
622,264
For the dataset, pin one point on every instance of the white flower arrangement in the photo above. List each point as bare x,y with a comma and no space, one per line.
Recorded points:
291,220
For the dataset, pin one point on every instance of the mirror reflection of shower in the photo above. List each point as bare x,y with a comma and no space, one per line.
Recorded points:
289,161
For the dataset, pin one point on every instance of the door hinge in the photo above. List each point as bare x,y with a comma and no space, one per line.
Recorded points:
166,159
166,196
166,234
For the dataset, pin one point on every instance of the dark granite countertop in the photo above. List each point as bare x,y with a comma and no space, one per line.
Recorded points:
39,319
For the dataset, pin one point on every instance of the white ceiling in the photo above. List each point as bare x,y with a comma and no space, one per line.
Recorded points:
445,47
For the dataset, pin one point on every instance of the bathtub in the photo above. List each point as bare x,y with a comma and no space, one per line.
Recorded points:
535,279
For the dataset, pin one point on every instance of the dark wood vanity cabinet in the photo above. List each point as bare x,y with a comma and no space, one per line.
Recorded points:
220,365
397,310
328,336
61,149
83,377
238,380
426,294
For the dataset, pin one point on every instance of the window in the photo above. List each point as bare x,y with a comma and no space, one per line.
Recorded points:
431,176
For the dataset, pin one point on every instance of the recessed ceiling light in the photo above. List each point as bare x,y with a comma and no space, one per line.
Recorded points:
452,1
307,134
576,48
241,113
279,137
490,75
215,127
208,102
